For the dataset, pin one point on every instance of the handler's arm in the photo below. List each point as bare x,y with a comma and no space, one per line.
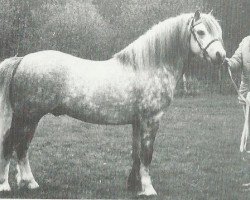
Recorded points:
235,62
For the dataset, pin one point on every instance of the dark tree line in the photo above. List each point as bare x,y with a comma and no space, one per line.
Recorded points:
96,29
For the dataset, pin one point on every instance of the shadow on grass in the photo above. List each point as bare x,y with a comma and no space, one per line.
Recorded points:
42,192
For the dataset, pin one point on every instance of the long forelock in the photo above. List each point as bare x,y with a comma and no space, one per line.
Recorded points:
212,25
158,46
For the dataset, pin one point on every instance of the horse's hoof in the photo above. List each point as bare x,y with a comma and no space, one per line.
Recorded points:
33,185
147,192
28,184
5,187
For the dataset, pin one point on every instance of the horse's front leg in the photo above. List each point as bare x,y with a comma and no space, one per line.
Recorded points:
134,182
144,131
148,130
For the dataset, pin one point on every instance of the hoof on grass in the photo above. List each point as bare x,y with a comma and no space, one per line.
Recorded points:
5,187
28,184
150,191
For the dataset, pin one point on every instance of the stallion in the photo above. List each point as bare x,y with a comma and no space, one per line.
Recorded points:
134,87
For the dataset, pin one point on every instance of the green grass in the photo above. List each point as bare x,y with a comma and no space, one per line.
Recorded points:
196,155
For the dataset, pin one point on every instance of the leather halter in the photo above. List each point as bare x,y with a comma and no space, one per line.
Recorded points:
204,49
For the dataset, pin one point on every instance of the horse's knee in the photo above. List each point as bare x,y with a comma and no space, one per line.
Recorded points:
147,150
148,134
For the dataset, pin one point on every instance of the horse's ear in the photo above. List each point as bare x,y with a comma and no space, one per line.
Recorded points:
197,15
211,12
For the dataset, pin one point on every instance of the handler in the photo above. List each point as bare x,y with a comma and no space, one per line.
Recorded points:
241,61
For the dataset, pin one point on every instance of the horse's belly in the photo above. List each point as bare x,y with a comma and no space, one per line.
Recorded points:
100,111
102,101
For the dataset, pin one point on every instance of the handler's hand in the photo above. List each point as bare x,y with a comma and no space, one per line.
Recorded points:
225,62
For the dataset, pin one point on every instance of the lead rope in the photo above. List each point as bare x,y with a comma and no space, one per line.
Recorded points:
245,132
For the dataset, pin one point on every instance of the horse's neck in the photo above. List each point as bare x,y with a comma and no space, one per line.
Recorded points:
176,67
176,60
164,46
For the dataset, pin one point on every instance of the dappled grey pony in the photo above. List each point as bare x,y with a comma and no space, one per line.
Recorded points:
133,87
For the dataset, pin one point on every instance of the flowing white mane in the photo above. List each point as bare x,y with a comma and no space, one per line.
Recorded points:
165,44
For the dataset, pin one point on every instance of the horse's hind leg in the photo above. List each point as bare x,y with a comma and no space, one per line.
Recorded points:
24,131
6,148
134,183
5,155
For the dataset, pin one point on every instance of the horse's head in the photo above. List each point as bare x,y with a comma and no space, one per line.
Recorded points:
206,38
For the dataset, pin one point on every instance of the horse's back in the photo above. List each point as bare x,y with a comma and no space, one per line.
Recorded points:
7,69
49,59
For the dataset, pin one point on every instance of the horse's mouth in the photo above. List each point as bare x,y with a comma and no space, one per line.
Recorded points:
217,62
214,61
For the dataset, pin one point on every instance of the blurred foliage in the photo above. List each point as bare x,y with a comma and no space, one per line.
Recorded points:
96,29
99,28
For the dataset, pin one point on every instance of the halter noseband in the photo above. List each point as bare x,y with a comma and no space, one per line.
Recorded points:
204,50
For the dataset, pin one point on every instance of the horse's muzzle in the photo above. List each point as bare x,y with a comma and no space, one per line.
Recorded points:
220,57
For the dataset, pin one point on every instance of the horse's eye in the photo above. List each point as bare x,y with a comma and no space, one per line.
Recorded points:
201,33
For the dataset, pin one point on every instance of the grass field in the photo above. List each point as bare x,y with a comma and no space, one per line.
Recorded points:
196,155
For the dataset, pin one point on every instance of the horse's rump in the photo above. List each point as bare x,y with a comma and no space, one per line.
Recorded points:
7,70
38,87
